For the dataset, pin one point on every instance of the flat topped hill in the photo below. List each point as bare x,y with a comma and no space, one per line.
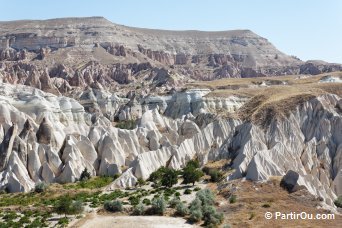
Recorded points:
34,34
199,55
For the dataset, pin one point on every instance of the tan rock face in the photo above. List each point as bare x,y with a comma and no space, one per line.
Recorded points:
84,52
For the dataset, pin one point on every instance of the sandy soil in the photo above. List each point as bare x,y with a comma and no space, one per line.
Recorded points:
105,221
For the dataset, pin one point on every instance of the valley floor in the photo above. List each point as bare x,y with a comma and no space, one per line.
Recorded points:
108,221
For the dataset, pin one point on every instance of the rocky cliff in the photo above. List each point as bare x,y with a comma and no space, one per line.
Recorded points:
81,51
53,138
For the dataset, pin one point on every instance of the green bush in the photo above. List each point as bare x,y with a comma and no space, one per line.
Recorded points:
215,175
206,197
197,189
127,124
232,199
24,220
211,217
338,202
40,187
195,215
266,205
173,203
177,194
92,183
139,209
113,206
76,207
159,205
134,200
202,208
181,209
63,221
196,204
65,205
140,182
206,170
147,201
187,191
85,175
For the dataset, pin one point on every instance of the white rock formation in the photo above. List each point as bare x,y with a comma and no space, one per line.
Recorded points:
308,142
53,139
127,179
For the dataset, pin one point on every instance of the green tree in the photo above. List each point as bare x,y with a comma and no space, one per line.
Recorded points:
140,182
85,175
169,177
193,163
191,175
157,175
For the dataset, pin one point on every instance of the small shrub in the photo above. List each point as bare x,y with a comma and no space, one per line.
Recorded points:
85,175
206,170
187,191
215,175
232,199
206,197
211,217
147,201
134,200
63,221
252,215
139,209
173,203
177,194
76,207
158,205
113,206
195,215
128,124
338,202
181,209
196,204
40,187
140,182
24,220
197,189
167,198
266,205
65,205
116,176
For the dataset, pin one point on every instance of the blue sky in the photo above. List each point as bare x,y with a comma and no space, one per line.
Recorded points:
309,29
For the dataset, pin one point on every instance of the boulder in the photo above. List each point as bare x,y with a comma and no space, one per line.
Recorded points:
290,181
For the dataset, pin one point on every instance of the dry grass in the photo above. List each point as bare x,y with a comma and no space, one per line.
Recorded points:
254,199
281,96
237,83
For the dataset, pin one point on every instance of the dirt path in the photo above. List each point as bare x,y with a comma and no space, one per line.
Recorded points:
104,221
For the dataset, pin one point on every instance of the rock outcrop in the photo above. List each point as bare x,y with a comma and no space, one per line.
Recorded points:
153,57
